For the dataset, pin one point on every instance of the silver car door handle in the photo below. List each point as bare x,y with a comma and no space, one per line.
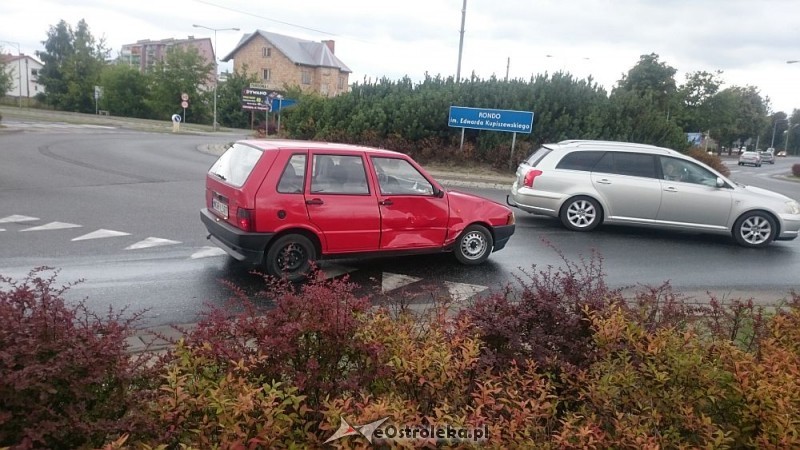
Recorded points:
604,181
671,189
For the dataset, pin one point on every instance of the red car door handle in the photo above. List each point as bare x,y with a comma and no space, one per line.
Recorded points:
385,202
314,201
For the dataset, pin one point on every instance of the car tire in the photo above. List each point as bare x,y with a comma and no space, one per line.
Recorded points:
740,164
754,229
290,257
581,214
474,245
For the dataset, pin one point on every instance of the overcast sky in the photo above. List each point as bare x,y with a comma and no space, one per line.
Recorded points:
750,41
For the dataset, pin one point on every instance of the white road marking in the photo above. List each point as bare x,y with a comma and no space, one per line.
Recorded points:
53,226
460,292
151,242
207,252
17,218
392,281
101,233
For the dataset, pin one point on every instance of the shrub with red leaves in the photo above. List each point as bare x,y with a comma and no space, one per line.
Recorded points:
796,170
545,320
64,372
307,339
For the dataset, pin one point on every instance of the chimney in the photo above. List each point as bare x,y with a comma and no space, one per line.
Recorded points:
331,45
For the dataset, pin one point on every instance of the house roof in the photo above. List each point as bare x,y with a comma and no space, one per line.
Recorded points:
299,51
9,58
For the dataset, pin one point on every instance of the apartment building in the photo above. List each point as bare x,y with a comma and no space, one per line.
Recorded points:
144,54
283,61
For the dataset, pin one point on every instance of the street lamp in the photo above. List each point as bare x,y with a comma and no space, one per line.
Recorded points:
793,61
774,125
216,75
788,132
19,69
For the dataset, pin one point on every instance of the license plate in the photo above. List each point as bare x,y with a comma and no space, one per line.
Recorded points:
220,207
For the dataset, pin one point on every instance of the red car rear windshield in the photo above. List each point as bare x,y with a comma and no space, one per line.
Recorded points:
235,165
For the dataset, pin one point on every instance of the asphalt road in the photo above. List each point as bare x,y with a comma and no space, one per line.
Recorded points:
119,209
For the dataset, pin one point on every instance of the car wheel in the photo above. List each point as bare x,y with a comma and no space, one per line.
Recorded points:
474,245
291,257
754,229
581,214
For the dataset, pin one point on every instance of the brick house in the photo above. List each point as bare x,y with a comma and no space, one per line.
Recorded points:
282,61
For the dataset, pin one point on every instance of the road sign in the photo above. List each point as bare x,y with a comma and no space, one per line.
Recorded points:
491,119
256,99
280,103
176,118
184,104
185,97
258,85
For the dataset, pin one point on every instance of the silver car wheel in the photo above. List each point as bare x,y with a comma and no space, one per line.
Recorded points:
473,245
755,230
581,213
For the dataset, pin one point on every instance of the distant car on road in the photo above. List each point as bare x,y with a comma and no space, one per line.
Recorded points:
767,157
588,183
782,153
751,158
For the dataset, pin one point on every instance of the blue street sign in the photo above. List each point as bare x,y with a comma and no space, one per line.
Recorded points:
280,103
491,119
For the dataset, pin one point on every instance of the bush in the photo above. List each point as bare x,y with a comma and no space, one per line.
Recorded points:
305,340
714,161
65,375
545,320
796,170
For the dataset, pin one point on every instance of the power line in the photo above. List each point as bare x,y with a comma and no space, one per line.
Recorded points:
266,18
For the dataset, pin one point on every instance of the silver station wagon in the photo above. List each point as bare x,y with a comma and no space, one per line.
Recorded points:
586,183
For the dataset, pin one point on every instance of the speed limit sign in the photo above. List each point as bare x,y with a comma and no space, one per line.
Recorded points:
185,97
184,104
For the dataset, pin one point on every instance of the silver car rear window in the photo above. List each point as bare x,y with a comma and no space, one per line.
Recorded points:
537,156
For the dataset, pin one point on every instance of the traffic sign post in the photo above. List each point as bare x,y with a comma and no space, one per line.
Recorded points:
184,104
509,121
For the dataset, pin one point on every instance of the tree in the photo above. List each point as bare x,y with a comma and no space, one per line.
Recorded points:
6,79
229,101
182,70
695,94
73,61
737,114
654,79
124,91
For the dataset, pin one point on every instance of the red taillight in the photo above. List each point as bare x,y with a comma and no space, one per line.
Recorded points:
530,176
245,219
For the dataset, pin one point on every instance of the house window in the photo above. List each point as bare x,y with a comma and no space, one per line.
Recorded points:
266,52
341,82
305,76
34,72
323,89
267,74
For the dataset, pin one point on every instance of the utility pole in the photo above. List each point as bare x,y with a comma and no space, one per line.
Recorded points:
508,67
461,41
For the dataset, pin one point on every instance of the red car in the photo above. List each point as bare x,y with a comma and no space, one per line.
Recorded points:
284,204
